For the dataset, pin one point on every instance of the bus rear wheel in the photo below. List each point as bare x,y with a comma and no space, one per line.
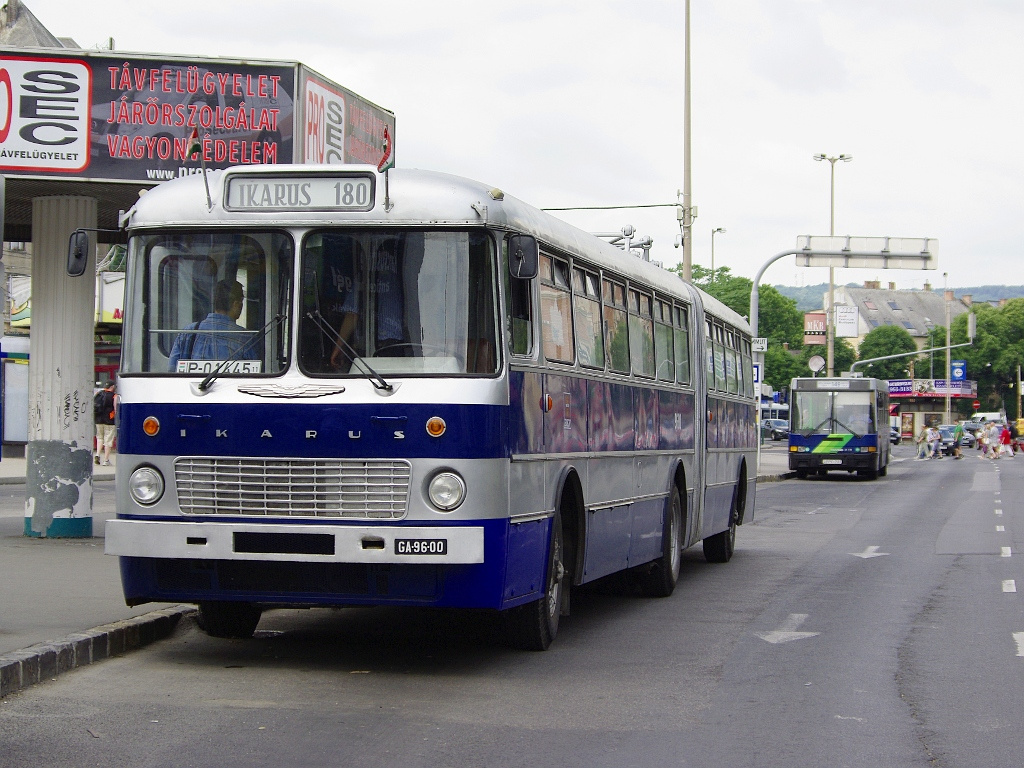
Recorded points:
720,547
228,619
532,627
659,579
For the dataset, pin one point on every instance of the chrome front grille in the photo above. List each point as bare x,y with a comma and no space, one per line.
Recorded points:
292,487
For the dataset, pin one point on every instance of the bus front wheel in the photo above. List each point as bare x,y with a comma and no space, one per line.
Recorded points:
533,626
228,619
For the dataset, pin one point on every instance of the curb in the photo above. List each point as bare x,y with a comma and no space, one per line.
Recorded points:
775,478
37,663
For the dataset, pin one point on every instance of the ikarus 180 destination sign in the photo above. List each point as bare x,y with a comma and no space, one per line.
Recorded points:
320,192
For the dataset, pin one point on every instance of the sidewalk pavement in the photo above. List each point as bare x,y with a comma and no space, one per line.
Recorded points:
69,590
61,604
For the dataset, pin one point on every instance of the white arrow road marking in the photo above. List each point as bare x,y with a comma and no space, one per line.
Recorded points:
870,552
1009,585
1019,639
787,631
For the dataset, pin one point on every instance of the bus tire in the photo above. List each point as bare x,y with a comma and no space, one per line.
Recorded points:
532,627
228,619
659,579
720,547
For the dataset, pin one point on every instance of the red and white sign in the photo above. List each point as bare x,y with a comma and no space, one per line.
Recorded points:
325,123
45,106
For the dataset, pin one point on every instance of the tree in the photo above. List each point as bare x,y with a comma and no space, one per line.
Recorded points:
778,318
781,365
883,341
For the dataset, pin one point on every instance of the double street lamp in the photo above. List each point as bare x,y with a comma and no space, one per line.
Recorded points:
830,318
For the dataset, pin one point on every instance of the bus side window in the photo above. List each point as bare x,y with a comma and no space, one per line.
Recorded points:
615,334
663,347
520,317
556,310
682,345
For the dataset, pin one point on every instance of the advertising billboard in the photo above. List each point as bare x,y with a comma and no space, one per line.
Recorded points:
847,322
931,388
339,126
83,115
815,328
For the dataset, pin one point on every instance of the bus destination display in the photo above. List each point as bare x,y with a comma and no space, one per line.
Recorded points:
247,192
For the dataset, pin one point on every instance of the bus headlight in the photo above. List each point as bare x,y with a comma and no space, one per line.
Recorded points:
146,485
446,491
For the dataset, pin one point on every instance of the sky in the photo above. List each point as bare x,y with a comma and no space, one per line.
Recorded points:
580,103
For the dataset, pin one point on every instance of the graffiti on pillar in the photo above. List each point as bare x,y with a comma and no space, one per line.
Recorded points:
74,409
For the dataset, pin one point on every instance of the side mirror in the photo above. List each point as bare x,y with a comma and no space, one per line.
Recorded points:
523,256
78,253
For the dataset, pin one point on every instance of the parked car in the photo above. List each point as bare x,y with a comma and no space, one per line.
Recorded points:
776,429
894,436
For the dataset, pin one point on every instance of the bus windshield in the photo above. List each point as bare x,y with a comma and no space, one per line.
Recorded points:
200,302
825,413
402,302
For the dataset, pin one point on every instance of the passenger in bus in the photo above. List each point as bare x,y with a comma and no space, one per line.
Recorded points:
227,340
386,299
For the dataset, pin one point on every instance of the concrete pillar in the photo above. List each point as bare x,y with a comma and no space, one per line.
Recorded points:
58,479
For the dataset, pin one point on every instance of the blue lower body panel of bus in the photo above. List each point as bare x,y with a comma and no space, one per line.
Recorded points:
512,572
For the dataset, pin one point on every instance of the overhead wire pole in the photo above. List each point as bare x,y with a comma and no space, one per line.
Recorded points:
687,196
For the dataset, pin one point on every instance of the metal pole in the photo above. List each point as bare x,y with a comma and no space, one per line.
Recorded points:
949,363
714,231
1018,392
687,196
830,323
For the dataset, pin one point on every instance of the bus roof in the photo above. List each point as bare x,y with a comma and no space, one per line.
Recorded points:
414,198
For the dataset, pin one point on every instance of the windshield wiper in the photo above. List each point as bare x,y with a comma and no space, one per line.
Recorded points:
257,338
339,343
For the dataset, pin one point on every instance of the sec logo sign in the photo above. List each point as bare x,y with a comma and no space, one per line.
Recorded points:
44,114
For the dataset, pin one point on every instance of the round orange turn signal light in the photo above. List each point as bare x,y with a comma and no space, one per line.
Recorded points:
151,426
436,426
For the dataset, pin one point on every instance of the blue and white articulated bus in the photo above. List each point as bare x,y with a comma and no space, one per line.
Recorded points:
342,389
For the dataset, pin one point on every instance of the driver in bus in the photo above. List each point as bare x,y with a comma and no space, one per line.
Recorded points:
236,344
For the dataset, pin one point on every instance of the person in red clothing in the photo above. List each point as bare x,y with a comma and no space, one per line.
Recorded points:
1006,441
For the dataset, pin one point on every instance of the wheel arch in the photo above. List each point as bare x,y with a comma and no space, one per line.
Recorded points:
678,476
741,492
570,502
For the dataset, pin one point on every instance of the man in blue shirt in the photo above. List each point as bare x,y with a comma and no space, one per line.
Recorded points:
228,340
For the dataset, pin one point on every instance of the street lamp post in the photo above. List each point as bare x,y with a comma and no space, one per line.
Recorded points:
949,363
714,232
830,317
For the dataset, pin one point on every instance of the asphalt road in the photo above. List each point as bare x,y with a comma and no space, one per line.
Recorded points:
859,623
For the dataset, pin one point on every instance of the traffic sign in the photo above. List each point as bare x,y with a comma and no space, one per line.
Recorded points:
976,404
760,344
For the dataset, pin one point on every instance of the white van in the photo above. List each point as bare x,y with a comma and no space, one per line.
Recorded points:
985,418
